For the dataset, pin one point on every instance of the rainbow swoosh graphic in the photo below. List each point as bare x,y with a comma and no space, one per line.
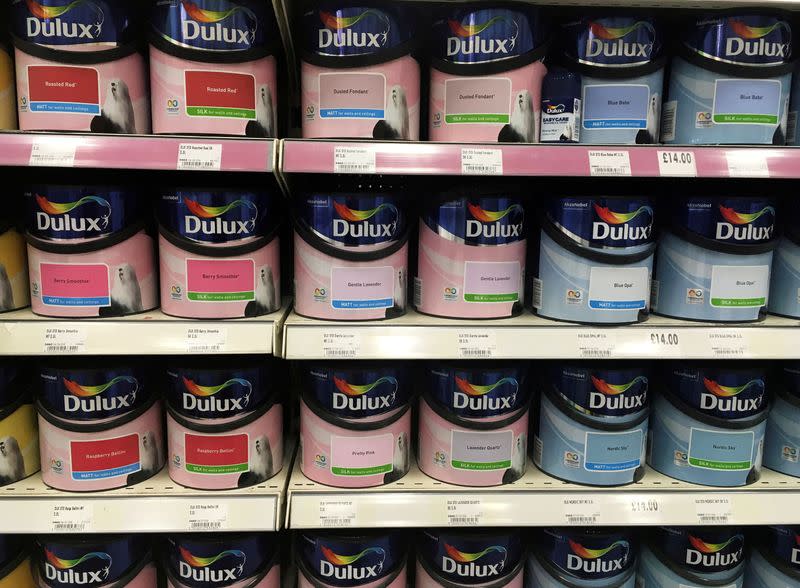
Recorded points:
332,21
65,564
611,33
203,391
204,562
40,11
587,553
346,560
748,32
351,215
65,207
470,30
618,218
204,211
88,391
726,391
490,216
355,390
462,557
743,218
614,389
704,547
476,390
211,16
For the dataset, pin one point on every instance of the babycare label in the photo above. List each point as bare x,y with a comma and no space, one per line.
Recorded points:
615,106
220,94
613,452
616,288
63,89
481,451
352,95
491,281
220,280
356,288
739,286
362,456
104,458
561,120
745,101
64,284
216,454
717,450
477,100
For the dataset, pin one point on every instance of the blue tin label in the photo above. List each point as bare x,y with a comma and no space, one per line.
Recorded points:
353,392
216,216
747,39
715,391
586,555
336,31
210,393
743,221
703,550
360,220
476,392
225,560
492,34
479,220
470,559
602,392
784,543
64,23
791,378
351,561
613,452
213,25
602,223
613,41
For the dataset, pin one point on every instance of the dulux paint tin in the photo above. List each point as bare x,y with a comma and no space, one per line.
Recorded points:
592,425
472,255
351,254
588,558
14,289
774,562
707,423
730,80
694,557
15,565
486,74
594,260
8,94
89,253
784,282
461,557
19,436
333,559
782,440
713,263
619,57
230,560
219,253
212,68
78,67
358,76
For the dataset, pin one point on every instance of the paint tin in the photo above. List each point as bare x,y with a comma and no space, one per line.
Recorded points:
486,74
8,93
14,289
713,264
784,285
574,558
358,77
707,424
782,440
593,423
461,557
19,435
561,106
773,560
351,253
212,67
15,571
472,255
730,80
594,260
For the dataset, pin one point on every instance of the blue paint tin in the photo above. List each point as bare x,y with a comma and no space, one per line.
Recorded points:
782,441
784,285
774,561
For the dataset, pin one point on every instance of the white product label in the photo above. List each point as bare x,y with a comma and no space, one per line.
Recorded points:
609,163
464,512
362,288
725,344
713,510
747,164
72,518
677,163
362,456
337,513
200,156
207,516
206,340
339,345
481,162
668,120
481,451
64,340
739,286
581,511
747,101
596,344
476,345
491,281
353,160
615,288
52,153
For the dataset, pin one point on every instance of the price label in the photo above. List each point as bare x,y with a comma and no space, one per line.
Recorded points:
206,339
727,345
341,345
353,160
677,163
464,512
481,162
337,513
200,156
53,153
64,340
645,505
747,163
714,510
207,516
596,344
72,518
581,511
609,163
476,345
661,343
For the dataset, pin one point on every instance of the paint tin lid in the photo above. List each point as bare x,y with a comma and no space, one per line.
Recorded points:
12,382
618,41
588,554
10,548
477,219
704,550
790,378
560,83
783,543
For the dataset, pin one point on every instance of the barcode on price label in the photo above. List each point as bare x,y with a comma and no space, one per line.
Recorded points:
476,344
72,518
206,340
713,510
207,516
337,513
53,153
353,160
341,345
200,156
481,162
726,344
609,163
464,512
64,340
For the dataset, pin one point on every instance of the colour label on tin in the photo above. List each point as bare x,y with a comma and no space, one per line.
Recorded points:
217,454
65,284
477,100
362,456
739,286
491,281
481,451
220,280
744,101
58,88
715,450
352,95
615,106
613,452
220,94
355,288
105,458
616,288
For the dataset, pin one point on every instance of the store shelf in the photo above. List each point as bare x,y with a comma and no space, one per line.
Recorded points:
148,152
538,500
150,333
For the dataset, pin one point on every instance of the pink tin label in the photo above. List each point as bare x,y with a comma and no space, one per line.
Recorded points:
352,95
477,100
75,284
362,456
220,280
491,281
105,458
362,287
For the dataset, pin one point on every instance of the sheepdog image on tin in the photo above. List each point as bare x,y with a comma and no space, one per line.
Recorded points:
149,459
126,295
400,293
266,298
261,463
12,464
522,128
518,458
116,116
6,294
396,124
399,460
649,134
264,124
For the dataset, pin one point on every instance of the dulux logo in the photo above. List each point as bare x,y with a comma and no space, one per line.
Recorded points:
750,40
88,399
724,398
708,555
343,567
610,41
590,561
467,39
488,223
608,227
338,31
612,396
62,570
352,396
47,22
739,225
465,565
476,397
207,24
55,215
199,568
556,109
203,399
355,223
206,219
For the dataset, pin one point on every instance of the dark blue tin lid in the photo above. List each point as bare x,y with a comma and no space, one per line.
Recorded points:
784,543
612,41
702,549
589,554
718,389
727,220
478,220
10,548
351,560
9,390
790,377
479,389
467,35
469,558
560,83
602,389
206,560
742,39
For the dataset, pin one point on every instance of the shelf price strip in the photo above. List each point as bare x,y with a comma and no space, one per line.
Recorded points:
677,164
